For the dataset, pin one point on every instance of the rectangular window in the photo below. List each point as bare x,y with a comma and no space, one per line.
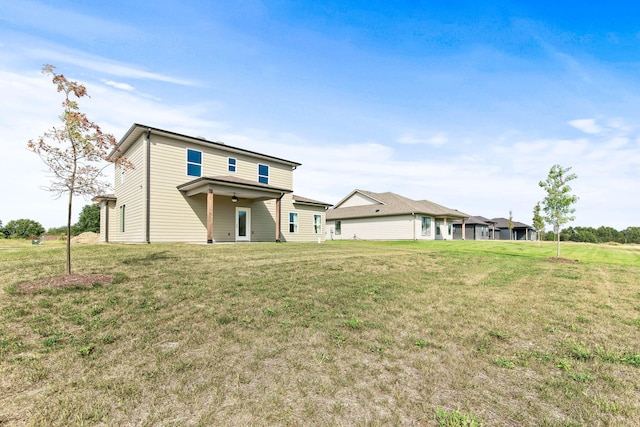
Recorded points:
293,222
263,174
317,224
426,226
194,162
122,219
338,228
232,164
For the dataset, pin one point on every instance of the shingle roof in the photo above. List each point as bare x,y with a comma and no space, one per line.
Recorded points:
475,220
137,130
487,220
305,200
504,223
391,204
225,179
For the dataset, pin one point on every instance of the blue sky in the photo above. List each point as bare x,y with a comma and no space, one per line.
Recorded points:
467,105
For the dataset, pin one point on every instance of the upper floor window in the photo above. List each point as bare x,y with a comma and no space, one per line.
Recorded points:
232,164
317,224
263,174
293,222
194,162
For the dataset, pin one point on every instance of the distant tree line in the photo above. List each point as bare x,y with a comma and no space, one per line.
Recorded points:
601,234
89,220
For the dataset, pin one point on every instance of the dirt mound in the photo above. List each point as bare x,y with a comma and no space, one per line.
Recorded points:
67,281
565,260
87,237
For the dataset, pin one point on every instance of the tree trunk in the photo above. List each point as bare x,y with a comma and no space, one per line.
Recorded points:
69,233
558,248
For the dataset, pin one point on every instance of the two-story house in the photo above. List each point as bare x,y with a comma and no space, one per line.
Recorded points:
189,189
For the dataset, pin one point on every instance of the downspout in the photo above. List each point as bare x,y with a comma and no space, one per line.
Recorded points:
279,217
148,189
106,221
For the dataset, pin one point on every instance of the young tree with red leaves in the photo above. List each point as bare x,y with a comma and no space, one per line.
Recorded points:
74,152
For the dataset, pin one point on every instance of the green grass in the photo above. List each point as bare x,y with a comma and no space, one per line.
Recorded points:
342,333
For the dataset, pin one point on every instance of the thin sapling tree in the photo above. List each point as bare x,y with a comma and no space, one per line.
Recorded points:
76,152
558,204
538,222
510,224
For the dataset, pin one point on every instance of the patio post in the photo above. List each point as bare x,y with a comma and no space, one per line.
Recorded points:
210,216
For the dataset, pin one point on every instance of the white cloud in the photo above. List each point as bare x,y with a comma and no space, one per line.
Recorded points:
59,55
410,138
586,125
122,86
66,22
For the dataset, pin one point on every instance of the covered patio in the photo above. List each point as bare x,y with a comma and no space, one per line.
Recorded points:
235,189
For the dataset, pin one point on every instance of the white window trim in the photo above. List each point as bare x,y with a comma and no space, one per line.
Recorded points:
295,222
426,232
235,165
201,164
319,231
266,176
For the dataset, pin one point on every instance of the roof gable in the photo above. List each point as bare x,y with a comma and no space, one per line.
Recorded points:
358,198
389,204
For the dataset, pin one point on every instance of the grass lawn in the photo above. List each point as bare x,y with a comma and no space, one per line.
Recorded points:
341,333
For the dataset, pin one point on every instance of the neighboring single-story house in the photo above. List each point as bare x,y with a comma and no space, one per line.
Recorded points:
189,189
476,228
388,216
519,230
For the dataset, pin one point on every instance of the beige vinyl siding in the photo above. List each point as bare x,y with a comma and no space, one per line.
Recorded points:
358,199
113,219
107,210
103,219
174,217
215,163
280,175
431,231
224,219
263,221
131,194
305,221
382,228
